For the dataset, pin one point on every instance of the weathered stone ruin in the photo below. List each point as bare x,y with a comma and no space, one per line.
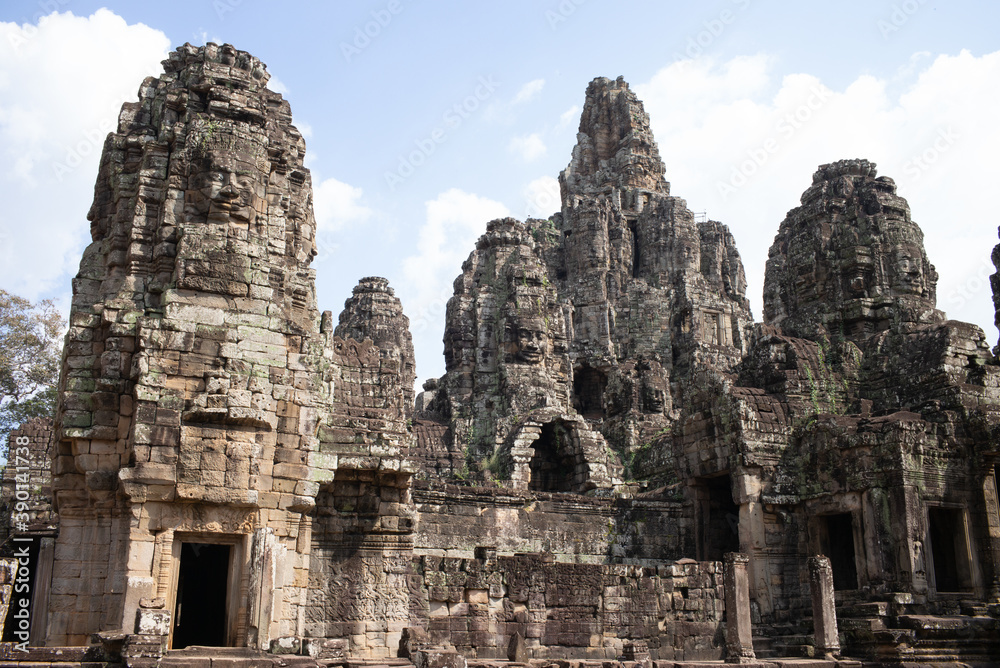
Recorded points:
618,465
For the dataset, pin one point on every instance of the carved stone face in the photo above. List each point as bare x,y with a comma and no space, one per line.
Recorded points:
532,341
909,274
227,187
654,396
857,277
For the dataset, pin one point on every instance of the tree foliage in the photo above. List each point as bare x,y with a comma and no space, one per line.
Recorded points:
30,351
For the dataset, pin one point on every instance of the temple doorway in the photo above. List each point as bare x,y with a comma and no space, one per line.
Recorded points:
200,611
588,392
552,465
720,518
836,541
949,549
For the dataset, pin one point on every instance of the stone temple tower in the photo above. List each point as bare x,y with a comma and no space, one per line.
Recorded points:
200,400
578,332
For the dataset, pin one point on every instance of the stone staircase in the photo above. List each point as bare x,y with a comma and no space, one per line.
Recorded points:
785,640
231,657
883,631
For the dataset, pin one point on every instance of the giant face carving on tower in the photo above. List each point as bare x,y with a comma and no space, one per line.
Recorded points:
909,272
850,261
227,178
531,340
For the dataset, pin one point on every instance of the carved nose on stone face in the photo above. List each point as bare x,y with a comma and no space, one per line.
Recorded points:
228,191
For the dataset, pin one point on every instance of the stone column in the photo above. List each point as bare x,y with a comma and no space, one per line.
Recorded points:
824,606
739,635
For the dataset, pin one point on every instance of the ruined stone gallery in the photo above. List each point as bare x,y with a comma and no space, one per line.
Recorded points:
618,464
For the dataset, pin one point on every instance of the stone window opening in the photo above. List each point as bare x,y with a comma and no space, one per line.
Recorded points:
588,391
951,558
712,332
552,465
835,537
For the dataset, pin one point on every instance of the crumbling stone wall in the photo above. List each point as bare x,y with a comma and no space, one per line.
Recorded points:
572,528
584,611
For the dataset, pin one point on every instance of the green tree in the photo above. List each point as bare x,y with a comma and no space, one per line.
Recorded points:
30,351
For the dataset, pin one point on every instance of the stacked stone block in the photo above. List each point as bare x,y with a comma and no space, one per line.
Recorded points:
569,611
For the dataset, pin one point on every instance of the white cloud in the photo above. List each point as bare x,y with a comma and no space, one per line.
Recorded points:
568,117
504,112
200,37
337,204
528,91
454,221
528,147
63,84
542,197
278,86
743,145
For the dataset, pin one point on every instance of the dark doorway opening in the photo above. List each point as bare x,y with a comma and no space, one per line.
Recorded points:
588,388
836,541
202,584
551,469
722,524
949,549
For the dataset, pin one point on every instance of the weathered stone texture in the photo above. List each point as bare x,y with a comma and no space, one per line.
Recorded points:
849,261
454,520
374,312
506,340
569,611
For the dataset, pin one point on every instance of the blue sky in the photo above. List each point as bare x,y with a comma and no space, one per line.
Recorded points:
746,98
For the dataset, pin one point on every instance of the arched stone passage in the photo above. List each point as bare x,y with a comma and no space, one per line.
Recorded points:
553,465
558,452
